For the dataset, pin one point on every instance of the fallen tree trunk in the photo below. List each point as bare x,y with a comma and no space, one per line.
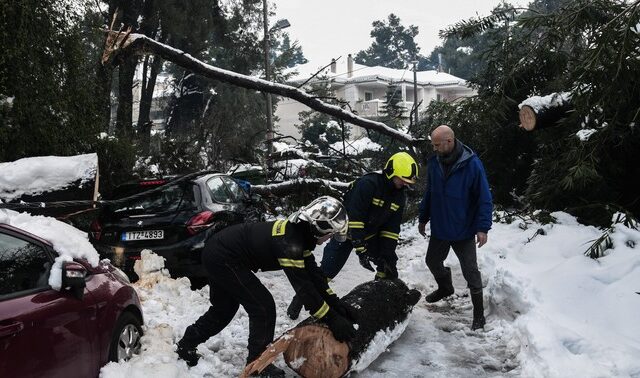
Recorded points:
310,349
118,45
295,186
539,112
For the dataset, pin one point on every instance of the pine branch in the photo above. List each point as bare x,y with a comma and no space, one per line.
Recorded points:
473,26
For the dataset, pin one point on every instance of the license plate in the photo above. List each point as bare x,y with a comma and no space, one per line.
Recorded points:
143,235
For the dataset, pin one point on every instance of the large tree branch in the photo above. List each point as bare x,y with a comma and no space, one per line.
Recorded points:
122,44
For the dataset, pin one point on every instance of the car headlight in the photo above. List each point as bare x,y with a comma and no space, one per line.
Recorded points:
118,272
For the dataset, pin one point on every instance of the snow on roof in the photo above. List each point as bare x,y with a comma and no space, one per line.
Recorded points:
67,240
41,174
361,73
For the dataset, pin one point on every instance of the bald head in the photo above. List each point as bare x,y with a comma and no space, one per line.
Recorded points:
443,140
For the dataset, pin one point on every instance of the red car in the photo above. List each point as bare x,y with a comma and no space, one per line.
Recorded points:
94,319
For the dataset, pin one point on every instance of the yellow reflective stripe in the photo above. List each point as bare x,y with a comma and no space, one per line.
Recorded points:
390,235
360,250
394,207
380,274
306,253
322,311
291,263
279,227
377,201
329,291
369,237
328,279
355,224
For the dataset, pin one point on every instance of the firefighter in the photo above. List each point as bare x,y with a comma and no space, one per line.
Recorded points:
375,203
233,255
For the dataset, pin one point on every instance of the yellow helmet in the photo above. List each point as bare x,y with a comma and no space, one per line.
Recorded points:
403,166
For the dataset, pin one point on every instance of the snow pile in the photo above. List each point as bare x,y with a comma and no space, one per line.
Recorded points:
553,100
69,242
37,175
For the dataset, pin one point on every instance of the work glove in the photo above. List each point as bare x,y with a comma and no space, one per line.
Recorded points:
361,251
341,328
343,308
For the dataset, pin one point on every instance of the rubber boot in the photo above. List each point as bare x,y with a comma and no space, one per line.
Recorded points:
293,311
445,288
478,311
187,346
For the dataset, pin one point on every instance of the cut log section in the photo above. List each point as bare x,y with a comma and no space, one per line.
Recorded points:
539,112
311,350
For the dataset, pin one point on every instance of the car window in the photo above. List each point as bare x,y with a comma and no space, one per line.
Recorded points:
172,198
23,265
218,190
236,190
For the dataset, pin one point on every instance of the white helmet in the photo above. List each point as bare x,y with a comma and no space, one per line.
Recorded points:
326,215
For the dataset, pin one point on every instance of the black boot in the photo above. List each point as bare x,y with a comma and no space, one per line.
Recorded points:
270,371
188,344
478,311
445,288
293,311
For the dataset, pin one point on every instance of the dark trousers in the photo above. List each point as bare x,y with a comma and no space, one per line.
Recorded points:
465,250
334,257
232,285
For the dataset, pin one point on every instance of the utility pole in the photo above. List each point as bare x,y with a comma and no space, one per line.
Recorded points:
415,92
267,69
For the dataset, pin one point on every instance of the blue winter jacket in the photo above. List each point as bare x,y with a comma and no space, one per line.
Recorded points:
458,205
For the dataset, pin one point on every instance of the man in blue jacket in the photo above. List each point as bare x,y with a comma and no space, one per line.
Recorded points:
458,203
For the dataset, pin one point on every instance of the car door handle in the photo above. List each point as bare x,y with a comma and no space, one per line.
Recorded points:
11,328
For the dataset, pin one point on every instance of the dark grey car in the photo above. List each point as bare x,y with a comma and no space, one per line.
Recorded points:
173,221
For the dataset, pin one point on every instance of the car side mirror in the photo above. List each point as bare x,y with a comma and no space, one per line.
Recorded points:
73,278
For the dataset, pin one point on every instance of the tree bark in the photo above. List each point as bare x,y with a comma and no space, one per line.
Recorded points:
140,44
311,350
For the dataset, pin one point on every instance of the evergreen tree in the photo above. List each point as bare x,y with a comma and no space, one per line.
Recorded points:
586,48
393,46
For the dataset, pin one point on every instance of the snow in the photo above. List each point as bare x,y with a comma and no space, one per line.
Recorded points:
67,240
585,134
36,175
357,147
551,312
538,103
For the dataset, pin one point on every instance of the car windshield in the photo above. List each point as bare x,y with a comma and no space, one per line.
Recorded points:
172,198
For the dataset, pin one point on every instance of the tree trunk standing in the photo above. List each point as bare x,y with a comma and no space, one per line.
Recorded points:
125,97
146,102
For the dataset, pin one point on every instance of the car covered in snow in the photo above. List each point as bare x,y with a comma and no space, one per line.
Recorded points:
94,315
173,218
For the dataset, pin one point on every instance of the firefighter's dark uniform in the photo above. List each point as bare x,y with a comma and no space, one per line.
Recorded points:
375,207
233,255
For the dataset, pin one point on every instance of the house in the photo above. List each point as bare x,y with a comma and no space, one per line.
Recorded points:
364,88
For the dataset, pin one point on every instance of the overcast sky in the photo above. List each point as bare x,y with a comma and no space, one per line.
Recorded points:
330,28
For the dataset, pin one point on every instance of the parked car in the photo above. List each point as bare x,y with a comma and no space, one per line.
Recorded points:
173,220
95,318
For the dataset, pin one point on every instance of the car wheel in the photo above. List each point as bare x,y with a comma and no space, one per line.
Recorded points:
125,341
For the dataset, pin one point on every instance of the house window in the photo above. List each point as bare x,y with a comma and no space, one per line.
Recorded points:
368,96
439,97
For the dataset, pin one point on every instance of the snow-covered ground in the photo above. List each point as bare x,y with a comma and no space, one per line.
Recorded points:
551,312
